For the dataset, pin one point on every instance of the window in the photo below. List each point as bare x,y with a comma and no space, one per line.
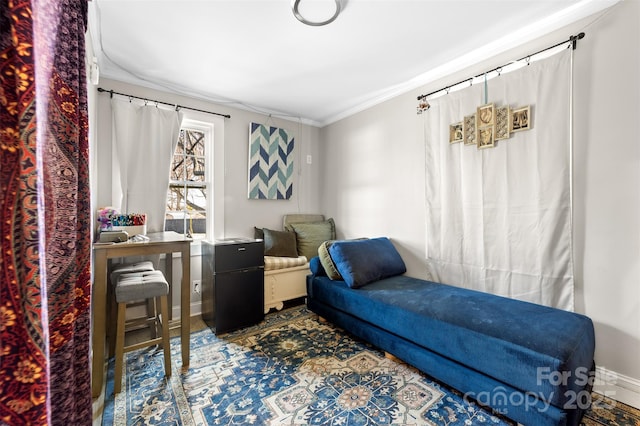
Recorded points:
187,205
195,199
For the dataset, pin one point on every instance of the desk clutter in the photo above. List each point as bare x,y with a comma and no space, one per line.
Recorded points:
113,236
111,220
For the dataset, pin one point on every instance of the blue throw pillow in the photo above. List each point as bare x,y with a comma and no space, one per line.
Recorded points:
364,261
316,267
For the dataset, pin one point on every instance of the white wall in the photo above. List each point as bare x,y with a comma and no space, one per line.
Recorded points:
607,190
373,181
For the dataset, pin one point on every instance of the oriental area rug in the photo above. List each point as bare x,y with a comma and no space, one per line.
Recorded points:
292,370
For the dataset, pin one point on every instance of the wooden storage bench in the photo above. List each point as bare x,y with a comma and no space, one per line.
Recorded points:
285,282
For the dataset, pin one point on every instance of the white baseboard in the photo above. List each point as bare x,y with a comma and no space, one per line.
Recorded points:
617,386
196,309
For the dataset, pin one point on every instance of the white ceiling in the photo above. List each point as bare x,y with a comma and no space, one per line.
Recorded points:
256,55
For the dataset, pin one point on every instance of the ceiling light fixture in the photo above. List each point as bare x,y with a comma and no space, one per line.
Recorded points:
295,6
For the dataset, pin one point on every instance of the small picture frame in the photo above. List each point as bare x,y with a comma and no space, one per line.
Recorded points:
469,130
486,116
503,116
486,126
520,119
486,138
455,132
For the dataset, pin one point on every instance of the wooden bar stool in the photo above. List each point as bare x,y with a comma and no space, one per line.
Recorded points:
119,269
133,287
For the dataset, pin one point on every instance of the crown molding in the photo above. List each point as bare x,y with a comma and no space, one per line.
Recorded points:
529,33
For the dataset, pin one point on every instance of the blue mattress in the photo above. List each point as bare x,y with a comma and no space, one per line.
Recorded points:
531,347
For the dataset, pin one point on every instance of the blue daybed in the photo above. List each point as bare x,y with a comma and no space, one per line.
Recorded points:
532,363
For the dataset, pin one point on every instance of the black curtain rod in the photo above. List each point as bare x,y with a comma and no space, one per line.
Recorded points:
572,39
111,93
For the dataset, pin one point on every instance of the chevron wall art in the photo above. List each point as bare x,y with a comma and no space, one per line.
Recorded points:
270,163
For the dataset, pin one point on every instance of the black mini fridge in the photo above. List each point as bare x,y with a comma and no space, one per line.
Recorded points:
232,283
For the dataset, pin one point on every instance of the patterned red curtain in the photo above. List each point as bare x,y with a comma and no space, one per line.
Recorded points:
44,214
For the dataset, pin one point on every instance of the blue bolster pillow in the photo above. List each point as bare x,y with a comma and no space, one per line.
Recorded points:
316,267
362,262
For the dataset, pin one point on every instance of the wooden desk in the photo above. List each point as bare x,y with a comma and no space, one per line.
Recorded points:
159,243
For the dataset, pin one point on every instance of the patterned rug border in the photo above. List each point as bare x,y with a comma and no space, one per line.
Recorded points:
606,411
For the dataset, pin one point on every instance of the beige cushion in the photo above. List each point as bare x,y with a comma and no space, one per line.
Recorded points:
327,262
127,268
272,263
141,285
288,219
310,235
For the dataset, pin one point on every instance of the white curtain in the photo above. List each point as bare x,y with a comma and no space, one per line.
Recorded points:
499,219
144,139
